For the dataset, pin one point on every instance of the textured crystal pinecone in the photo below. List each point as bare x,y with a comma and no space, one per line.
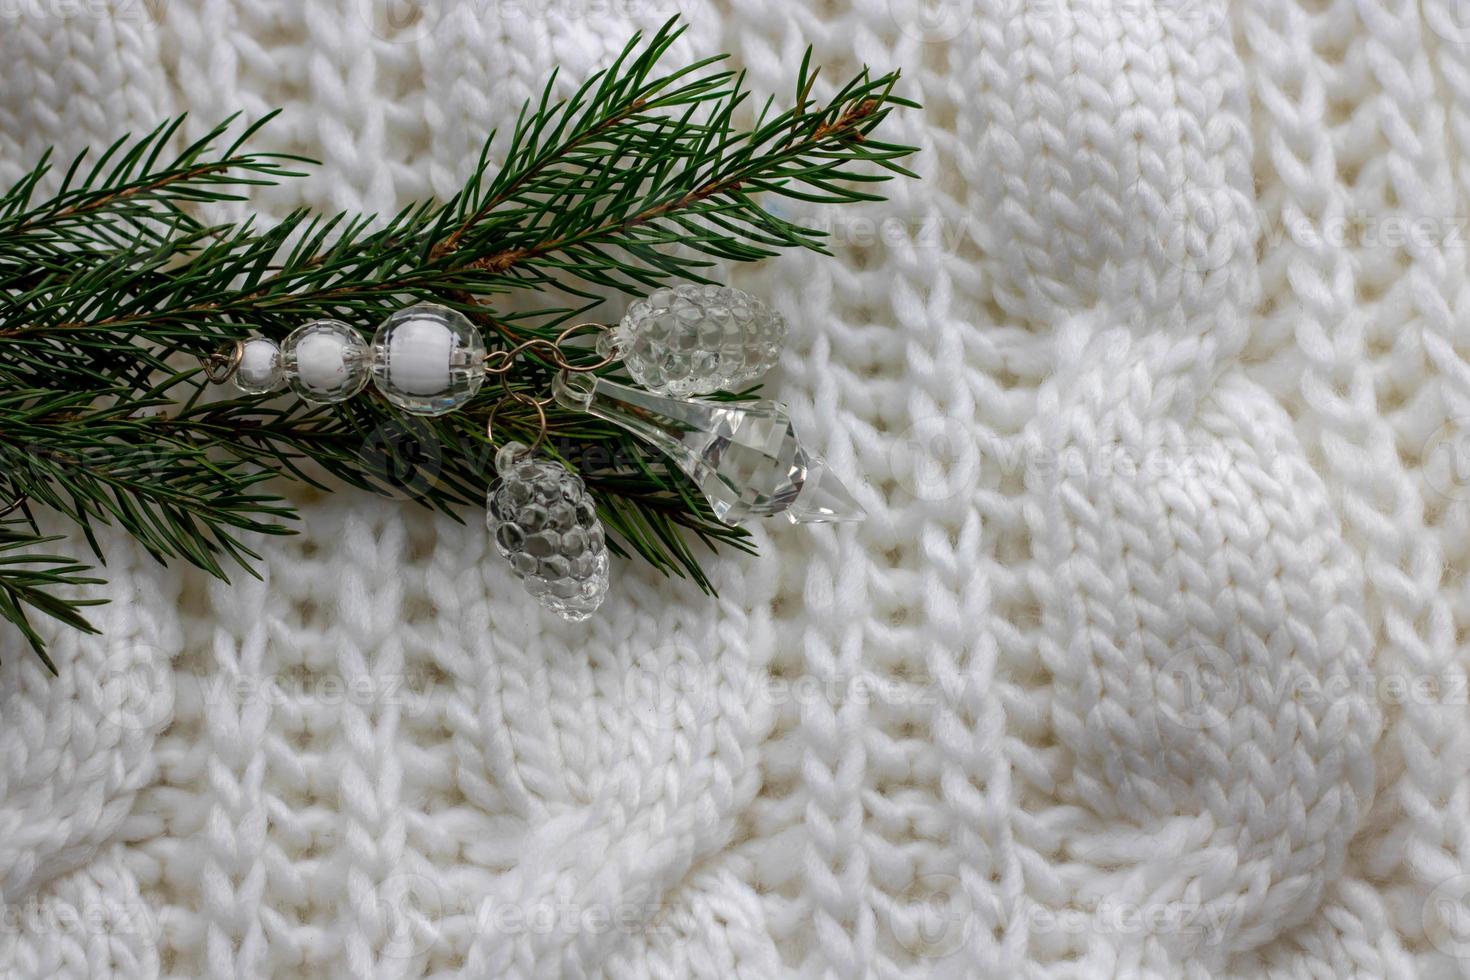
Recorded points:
545,524
695,339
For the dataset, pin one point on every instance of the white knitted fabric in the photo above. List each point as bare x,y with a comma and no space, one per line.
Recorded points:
1150,659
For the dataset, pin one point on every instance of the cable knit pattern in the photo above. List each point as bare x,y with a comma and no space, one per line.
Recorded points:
1149,662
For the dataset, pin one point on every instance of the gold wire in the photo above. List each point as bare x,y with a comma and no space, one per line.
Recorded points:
539,405
499,362
221,366
498,365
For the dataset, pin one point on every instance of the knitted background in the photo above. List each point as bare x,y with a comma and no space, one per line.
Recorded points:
1150,659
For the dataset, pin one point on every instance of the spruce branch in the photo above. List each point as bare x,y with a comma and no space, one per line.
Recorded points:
30,581
113,287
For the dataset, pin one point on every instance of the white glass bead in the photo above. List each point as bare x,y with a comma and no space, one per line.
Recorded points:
260,369
325,361
428,359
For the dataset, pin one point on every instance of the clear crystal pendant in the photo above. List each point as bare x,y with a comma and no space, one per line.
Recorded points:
744,456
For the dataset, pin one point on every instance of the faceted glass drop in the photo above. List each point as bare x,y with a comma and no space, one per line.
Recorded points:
745,457
428,359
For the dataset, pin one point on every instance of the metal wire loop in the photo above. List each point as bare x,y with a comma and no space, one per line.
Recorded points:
537,404
498,365
221,366
499,362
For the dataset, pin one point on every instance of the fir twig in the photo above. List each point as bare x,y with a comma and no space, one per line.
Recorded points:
641,177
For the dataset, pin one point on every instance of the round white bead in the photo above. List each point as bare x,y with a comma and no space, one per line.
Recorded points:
260,369
421,350
326,361
428,359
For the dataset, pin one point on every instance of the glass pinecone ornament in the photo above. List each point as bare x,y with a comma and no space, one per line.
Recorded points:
545,524
695,339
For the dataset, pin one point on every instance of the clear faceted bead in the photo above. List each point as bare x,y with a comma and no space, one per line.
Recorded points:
745,457
260,369
325,361
428,359
694,339
545,524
